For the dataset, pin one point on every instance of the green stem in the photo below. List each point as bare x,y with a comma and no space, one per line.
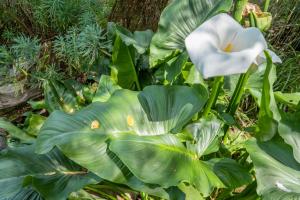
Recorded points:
218,82
239,90
266,6
236,98
137,82
252,17
238,93
238,9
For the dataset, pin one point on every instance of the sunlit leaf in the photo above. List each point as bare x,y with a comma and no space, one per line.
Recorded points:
164,160
289,130
177,21
277,172
83,136
290,99
204,133
123,65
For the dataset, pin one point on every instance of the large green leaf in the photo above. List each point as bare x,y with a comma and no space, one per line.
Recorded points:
156,110
289,130
164,160
82,136
123,67
177,21
232,174
205,135
53,175
277,172
173,106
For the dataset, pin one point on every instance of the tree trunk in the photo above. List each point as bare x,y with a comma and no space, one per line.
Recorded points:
138,14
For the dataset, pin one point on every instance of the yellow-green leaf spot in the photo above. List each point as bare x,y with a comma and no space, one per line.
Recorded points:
130,120
71,110
95,124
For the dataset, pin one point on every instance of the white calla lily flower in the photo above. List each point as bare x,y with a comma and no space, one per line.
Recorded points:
221,46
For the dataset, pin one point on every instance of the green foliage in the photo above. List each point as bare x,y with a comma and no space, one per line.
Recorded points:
121,114
26,52
42,36
269,114
169,164
277,172
18,59
20,167
285,39
178,20
80,47
105,89
49,17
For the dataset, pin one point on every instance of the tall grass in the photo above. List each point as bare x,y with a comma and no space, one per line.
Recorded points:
285,39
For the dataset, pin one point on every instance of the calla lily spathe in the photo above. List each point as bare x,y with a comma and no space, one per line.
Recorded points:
221,46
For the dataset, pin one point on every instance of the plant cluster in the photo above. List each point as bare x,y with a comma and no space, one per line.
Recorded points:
41,36
161,122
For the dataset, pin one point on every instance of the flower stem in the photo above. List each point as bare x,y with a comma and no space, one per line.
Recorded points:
266,6
218,82
236,98
238,10
238,93
252,19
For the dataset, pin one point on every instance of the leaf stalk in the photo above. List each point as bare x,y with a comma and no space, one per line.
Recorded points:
218,82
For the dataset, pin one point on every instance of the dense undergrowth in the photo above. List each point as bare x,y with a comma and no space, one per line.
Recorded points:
130,115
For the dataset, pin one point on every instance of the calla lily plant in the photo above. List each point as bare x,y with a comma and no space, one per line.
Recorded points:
221,46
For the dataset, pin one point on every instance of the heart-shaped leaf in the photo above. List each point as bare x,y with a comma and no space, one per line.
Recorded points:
82,136
164,160
277,172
